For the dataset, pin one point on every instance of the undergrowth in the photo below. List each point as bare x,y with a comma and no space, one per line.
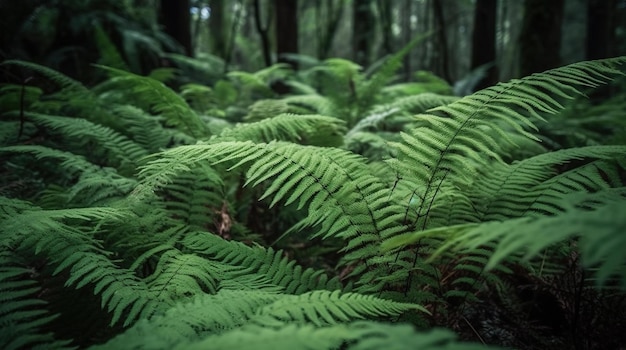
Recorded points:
348,213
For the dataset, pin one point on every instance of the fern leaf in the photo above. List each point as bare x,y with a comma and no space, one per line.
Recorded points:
162,100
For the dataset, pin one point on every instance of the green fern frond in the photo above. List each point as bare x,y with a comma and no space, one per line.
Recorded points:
370,89
420,103
205,68
109,54
326,308
192,320
181,275
287,127
146,130
160,99
271,265
94,182
314,103
64,82
371,120
459,138
534,186
361,335
117,147
194,197
23,314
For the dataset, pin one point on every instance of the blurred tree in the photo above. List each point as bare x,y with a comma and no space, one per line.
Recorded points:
386,22
442,40
363,24
263,31
286,29
176,21
540,39
601,25
484,41
328,15
217,28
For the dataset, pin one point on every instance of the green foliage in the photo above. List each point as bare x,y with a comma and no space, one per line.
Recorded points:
158,206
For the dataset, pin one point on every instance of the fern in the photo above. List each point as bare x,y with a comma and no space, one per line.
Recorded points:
160,99
313,129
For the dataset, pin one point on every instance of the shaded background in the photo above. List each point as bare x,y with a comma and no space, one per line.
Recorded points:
475,41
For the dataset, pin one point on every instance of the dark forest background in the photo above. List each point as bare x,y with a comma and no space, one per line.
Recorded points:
473,43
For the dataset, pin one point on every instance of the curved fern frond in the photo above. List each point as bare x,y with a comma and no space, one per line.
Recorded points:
23,314
326,308
534,186
64,82
160,99
271,265
422,102
459,138
192,320
124,151
287,127
361,335
600,231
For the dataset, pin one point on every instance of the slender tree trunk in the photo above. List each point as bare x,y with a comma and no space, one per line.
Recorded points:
176,20
540,40
217,28
363,22
407,33
384,11
327,21
442,39
484,40
286,29
263,32
601,28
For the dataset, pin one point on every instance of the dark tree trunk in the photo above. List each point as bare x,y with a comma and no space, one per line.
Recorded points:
217,29
263,32
442,40
384,10
176,22
286,29
327,24
601,28
540,40
407,33
484,41
363,23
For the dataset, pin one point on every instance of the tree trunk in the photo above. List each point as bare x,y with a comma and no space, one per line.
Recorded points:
601,28
407,34
217,29
540,40
176,20
263,32
327,17
363,23
442,40
286,29
484,41
384,14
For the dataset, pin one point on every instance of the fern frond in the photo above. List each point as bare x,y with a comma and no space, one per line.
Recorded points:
189,321
271,265
160,99
287,127
124,151
420,103
326,308
22,313
64,82
459,138
362,335
534,186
